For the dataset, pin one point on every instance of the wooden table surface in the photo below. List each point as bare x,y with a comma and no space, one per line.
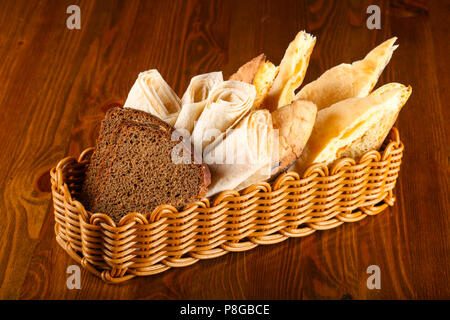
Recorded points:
56,85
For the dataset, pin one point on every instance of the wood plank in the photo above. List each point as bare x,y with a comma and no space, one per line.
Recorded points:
58,83
423,191
35,130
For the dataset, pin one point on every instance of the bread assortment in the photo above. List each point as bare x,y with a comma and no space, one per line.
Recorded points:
229,134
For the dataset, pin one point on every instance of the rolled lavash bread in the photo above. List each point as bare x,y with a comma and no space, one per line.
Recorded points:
349,80
353,126
194,99
293,68
264,144
152,94
261,73
245,151
228,102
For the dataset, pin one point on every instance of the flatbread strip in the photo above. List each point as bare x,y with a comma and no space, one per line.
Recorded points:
343,126
293,68
349,80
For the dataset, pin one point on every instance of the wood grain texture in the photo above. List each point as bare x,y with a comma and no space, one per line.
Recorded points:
58,83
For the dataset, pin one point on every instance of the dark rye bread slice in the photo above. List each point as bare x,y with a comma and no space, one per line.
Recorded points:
105,141
142,175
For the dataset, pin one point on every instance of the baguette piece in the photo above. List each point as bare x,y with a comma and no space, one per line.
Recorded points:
261,73
349,80
340,126
143,175
293,68
294,123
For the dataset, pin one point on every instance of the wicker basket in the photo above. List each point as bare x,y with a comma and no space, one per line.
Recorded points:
265,213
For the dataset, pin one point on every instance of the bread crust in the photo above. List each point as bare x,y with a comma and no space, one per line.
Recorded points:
247,72
108,136
294,123
261,73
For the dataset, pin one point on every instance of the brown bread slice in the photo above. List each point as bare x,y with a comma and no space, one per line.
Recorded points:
106,139
142,175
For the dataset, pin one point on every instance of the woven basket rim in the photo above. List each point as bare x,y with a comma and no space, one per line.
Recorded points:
331,171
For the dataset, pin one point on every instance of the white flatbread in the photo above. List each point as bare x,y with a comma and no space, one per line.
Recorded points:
227,103
152,94
245,152
194,99
349,80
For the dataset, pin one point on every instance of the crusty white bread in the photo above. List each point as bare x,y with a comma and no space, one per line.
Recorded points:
375,135
353,124
292,71
294,123
263,81
349,80
247,72
261,73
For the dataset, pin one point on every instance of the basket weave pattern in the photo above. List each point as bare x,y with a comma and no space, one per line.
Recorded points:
264,213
